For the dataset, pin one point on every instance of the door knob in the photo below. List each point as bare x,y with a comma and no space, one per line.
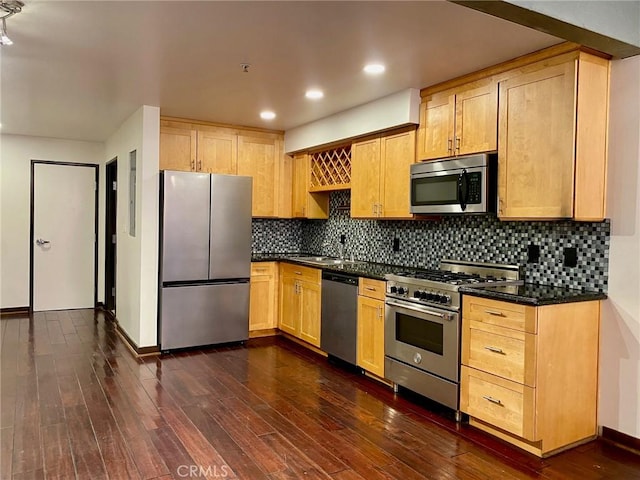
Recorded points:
40,242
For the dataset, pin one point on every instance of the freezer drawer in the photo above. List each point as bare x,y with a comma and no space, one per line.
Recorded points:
195,315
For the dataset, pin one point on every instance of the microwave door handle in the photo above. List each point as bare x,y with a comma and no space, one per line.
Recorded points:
462,189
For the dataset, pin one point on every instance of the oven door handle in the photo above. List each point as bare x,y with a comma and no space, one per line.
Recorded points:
418,308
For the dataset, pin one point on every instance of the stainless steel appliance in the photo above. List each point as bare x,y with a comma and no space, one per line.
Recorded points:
339,320
455,185
205,259
422,325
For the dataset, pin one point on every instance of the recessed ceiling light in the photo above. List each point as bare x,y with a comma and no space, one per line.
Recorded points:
374,68
267,115
314,94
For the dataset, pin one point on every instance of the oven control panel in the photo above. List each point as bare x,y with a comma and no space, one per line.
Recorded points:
420,294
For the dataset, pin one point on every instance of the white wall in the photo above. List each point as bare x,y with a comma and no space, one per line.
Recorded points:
619,406
16,153
137,257
395,110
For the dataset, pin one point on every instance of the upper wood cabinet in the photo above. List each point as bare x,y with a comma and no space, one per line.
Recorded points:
303,203
552,140
258,158
380,175
217,152
178,147
459,121
230,150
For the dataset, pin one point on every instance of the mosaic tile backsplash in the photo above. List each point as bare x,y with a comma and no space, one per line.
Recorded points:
424,243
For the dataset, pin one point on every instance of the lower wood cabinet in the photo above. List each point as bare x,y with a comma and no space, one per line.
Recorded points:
370,337
530,374
263,304
300,290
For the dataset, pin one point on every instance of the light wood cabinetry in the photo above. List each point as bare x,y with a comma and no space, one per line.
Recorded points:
552,140
202,147
300,290
303,203
370,336
217,152
178,148
530,374
459,121
263,304
258,158
380,175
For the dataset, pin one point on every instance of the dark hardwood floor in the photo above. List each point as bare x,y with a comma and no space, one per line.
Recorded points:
76,404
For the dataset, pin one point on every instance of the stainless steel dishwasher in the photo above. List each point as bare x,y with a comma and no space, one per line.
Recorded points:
339,315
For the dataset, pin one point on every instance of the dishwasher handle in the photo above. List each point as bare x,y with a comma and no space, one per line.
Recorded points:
340,278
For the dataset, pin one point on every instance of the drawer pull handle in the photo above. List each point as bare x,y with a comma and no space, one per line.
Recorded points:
370,288
495,350
492,400
496,313
298,273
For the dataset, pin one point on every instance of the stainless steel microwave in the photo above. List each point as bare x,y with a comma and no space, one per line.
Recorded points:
455,185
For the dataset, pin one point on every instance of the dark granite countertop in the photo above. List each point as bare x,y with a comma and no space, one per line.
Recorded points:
533,294
376,271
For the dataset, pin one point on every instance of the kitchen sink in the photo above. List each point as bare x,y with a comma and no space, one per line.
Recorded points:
324,261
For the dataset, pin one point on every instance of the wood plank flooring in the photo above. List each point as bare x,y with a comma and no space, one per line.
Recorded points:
76,404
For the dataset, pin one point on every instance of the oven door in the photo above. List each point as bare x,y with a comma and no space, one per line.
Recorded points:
423,337
449,191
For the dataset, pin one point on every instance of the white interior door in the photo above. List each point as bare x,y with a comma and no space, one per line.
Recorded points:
64,212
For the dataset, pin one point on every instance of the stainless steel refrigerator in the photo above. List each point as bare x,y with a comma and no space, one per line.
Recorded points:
205,259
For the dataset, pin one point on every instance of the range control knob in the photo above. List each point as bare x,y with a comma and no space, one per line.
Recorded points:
393,289
447,299
431,296
402,291
423,295
416,294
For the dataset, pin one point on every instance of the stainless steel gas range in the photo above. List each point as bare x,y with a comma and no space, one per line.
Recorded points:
423,324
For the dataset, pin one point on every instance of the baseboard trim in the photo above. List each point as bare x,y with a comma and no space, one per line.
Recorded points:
137,351
621,439
7,312
266,332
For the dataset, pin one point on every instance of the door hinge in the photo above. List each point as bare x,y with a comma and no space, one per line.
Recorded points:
114,186
113,238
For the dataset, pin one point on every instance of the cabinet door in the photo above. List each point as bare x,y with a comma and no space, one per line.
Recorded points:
365,178
217,152
257,159
262,300
300,185
397,153
310,302
177,149
371,335
435,133
476,120
289,306
536,144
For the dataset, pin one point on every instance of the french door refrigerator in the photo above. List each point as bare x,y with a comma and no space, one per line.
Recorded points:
205,259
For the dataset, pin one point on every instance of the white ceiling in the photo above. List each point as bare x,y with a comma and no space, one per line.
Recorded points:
77,70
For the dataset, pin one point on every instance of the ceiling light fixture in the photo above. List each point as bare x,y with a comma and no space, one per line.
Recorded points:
374,68
267,115
314,94
10,7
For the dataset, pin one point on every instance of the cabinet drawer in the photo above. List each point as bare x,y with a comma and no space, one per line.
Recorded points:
500,351
368,287
263,268
309,274
499,402
503,314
